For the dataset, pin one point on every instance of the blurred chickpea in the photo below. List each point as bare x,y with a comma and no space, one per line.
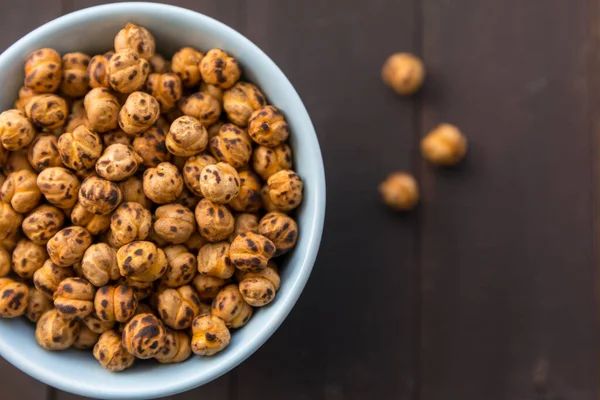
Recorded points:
166,88
111,353
21,191
195,242
79,149
97,71
248,198
203,107
404,73
187,199
25,93
86,338
207,287
102,109
74,80
136,38
220,69
14,298
74,298
230,306
241,101
244,222
159,65
185,63
43,152
37,304
178,307
96,325
5,261
151,147
213,91
214,260
127,72
16,132
47,111
445,145
10,221
209,335
43,70
141,289
53,332
117,137
400,191
133,191
99,264
15,161
77,116
176,349
144,336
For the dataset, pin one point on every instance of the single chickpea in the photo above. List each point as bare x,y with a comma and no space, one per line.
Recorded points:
232,145
220,69
127,72
268,127
74,298
142,261
14,298
47,111
258,288
212,90
241,101
115,303
404,73
144,336
281,229
47,278
159,65
251,251
244,222
195,242
182,266
59,186
230,306
77,116
53,332
130,222
95,224
80,149
445,145
118,162
248,198
96,325
111,353
136,38
74,80
133,191
203,107
21,191
178,307
139,113
177,348
37,304
151,147
192,170
141,289
285,189
43,223
215,221
16,132
25,94
214,260
214,129
43,152
207,287
85,339
186,137
185,63
187,199
400,191
117,137
99,264
99,196
102,109
10,221
219,183
43,70
68,245
166,88
14,161
97,71
210,335
174,223
27,258
163,184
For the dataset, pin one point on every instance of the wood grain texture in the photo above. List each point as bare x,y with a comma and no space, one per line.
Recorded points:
507,253
351,336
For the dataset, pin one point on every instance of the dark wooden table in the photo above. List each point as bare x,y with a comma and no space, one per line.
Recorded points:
487,291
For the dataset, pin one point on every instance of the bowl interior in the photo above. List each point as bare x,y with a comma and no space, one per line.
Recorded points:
92,31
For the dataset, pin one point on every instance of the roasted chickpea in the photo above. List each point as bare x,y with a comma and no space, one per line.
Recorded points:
10,242
54,332
144,336
248,198
127,72
49,276
59,185
220,69
207,287
43,70
268,127
80,149
133,191
43,152
182,266
445,145
174,223
159,65
99,196
214,129
25,94
95,224
230,306
21,191
68,245
232,145
129,222
244,222
209,335
139,113
115,303
203,107
15,161
241,101
16,132
281,229
176,349
163,184
85,339
37,304
5,261
74,298
404,73
102,109
215,221
99,264
187,199
77,116
195,242
151,147
178,307
74,80
136,38
10,221
117,137
192,170
46,111
213,91
14,298
186,137
166,88
185,63
285,189
219,183
214,260
258,288
43,223
251,251
141,289
96,325
27,258
142,261
97,71
400,191
111,353
118,162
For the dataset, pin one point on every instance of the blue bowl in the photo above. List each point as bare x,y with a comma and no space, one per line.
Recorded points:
92,31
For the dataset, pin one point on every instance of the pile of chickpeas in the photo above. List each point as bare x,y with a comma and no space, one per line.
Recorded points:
143,202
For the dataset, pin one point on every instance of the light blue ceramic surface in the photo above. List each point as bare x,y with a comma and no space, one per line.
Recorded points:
92,31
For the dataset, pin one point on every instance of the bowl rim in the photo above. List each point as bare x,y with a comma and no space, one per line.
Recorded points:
312,230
